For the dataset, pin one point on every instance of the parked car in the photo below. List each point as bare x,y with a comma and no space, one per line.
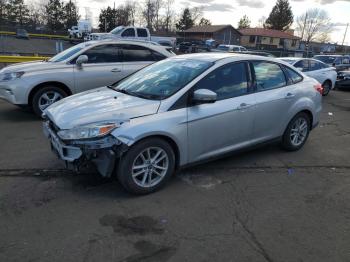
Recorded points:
83,28
181,111
340,62
229,48
323,73
79,68
131,32
193,46
21,33
343,80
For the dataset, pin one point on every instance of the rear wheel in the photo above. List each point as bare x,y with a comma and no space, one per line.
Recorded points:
147,166
327,86
297,132
45,97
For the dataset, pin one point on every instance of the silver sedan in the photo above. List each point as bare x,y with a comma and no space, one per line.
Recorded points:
182,111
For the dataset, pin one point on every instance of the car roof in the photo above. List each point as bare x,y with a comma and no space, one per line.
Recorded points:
216,56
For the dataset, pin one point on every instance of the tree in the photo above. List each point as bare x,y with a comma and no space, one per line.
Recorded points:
204,21
71,14
17,12
158,4
196,14
3,12
54,15
314,24
186,21
281,16
244,22
169,15
262,21
107,19
149,13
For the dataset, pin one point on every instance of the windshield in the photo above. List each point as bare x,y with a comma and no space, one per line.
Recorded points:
117,30
67,53
326,59
162,79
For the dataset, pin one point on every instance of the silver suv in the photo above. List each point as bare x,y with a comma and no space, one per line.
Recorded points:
181,111
79,68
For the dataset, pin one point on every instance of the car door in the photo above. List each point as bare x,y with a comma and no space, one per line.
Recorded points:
142,33
274,97
136,57
128,33
226,124
104,67
315,71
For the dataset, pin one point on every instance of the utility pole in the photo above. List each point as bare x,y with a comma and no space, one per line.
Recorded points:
346,31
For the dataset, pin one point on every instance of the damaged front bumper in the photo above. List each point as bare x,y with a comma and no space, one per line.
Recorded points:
102,152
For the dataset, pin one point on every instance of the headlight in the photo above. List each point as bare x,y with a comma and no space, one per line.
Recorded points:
89,131
10,76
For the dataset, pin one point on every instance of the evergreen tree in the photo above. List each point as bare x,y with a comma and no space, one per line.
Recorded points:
54,15
281,16
186,21
107,19
17,12
71,14
244,22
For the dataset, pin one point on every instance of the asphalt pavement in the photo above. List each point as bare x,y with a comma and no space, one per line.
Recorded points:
261,205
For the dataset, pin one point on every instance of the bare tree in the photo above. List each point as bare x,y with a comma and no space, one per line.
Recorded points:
149,13
131,8
197,14
169,15
158,4
314,24
261,21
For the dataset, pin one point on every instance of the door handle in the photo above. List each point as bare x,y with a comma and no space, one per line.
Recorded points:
116,70
289,95
243,106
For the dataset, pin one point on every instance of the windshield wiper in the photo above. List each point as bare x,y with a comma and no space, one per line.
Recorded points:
141,95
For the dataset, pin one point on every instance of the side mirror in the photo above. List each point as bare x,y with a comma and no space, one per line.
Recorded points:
82,59
204,96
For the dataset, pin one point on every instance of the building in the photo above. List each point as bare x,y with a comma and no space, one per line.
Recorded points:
222,34
269,39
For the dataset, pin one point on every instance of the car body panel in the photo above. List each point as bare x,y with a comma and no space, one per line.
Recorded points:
105,103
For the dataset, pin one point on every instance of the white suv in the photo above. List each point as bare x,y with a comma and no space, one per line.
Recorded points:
79,68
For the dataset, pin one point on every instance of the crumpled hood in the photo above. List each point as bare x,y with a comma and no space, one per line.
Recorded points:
28,66
98,105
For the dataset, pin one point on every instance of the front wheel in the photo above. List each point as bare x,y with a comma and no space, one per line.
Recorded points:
297,132
45,97
147,166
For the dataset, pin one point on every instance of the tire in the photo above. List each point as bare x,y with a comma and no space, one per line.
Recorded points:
289,142
131,162
53,94
327,86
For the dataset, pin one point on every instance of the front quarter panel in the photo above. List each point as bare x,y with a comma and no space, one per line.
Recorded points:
170,124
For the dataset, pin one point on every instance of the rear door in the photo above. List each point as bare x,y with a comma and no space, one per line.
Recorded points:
104,67
274,97
135,57
228,123
142,34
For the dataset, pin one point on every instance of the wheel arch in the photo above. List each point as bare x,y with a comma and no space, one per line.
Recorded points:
169,140
64,87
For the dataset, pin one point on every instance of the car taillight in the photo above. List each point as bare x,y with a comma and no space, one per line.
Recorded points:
319,88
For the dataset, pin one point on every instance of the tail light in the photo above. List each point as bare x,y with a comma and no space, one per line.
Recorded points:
318,87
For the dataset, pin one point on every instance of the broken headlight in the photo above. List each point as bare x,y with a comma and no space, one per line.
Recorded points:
88,131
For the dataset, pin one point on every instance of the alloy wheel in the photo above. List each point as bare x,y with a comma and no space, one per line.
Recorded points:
299,131
150,167
48,98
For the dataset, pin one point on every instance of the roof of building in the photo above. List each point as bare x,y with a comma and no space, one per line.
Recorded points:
267,32
207,28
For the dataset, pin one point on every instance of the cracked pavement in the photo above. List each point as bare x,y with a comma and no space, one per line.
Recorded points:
261,205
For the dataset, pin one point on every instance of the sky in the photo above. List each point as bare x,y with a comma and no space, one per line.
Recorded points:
230,11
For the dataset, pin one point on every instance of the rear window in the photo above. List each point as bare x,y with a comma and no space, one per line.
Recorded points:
141,32
134,53
268,75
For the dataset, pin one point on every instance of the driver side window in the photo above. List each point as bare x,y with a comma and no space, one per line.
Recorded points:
227,81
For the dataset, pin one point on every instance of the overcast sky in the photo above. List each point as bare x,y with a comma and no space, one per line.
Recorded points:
230,11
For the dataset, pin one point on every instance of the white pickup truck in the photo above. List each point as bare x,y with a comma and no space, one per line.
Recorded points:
131,32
